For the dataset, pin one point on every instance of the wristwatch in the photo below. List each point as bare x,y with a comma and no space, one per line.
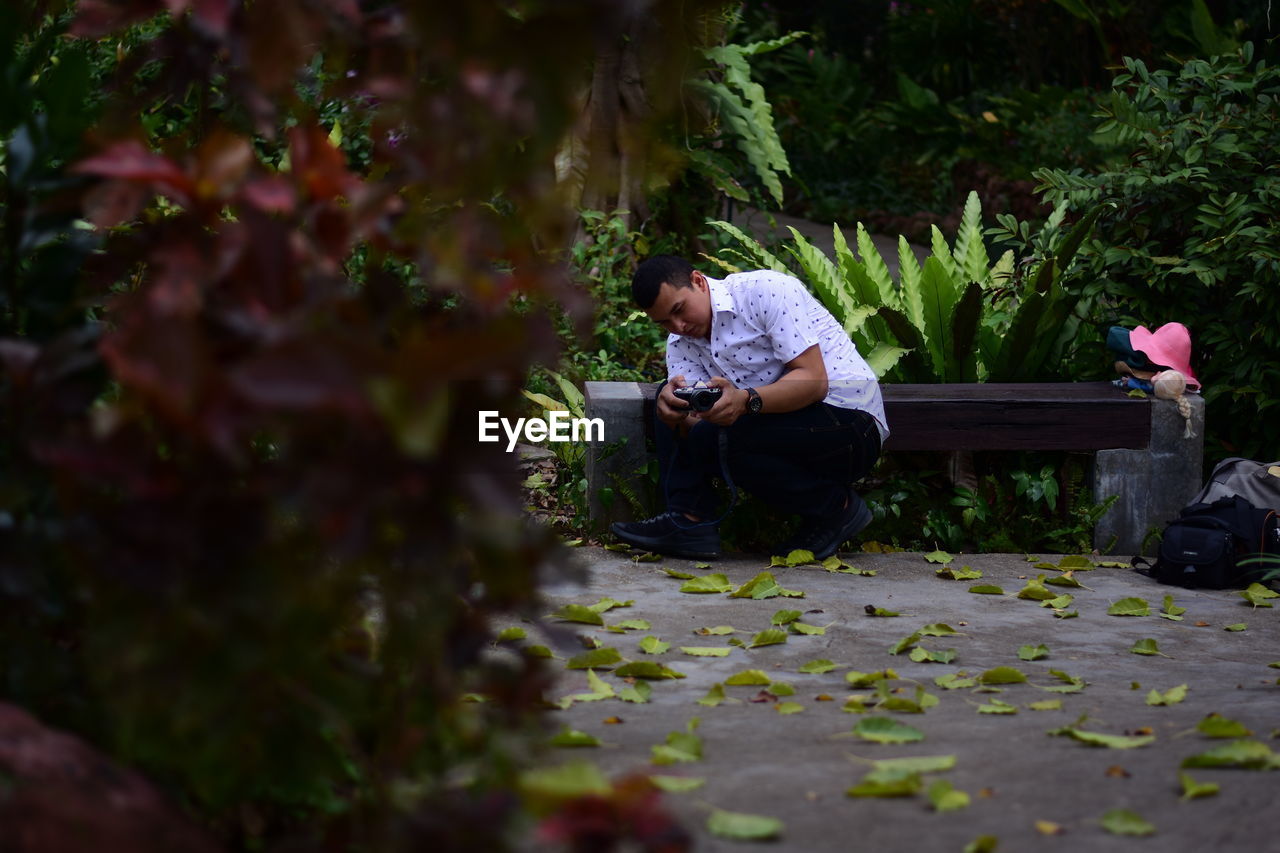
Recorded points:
754,403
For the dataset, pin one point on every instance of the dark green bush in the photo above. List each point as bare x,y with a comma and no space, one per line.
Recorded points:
1194,234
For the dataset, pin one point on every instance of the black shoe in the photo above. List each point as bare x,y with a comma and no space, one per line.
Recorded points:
671,534
826,537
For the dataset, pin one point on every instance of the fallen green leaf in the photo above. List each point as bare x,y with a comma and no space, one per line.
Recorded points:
601,658
633,625
1035,590
706,651
1046,705
1130,607
982,844
886,730
787,708
784,617
806,629
1029,653
945,798
567,781
707,584
510,635
647,558
818,667
1243,754
1172,696
995,706
955,681
769,637
1125,822
579,613
1059,602
798,557
680,747
872,610
1169,611
986,589
922,655
1239,626
715,696
1218,726
905,643
716,631
764,585
1076,562
1147,647
654,646
1104,740
568,737
887,769
1193,790
1002,675
678,574
606,604
748,676
1258,595
743,827
938,629
637,693
646,669
780,688
939,557
676,784
538,652
903,786
867,679
1066,579
964,573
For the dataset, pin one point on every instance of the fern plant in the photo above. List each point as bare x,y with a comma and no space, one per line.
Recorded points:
957,317
740,103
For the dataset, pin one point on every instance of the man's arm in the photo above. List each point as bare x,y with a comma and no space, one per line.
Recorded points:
803,382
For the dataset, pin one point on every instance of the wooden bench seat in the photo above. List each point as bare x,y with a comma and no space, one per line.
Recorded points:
1141,453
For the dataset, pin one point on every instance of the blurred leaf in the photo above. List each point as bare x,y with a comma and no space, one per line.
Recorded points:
1172,696
707,584
886,730
1130,607
646,669
743,827
1125,822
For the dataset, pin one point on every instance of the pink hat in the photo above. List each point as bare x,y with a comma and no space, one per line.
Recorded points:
1168,346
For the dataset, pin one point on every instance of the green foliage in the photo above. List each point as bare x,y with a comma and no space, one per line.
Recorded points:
740,103
1191,231
957,317
918,509
251,544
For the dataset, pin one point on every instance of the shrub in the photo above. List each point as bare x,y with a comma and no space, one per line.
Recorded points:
1193,233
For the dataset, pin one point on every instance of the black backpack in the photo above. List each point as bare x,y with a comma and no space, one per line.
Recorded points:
1202,547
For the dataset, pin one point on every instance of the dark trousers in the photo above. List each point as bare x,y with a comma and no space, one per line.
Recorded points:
798,462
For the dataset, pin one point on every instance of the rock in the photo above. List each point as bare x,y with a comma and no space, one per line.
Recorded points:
60,795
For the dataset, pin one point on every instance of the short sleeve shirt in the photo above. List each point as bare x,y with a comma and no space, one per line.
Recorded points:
762,320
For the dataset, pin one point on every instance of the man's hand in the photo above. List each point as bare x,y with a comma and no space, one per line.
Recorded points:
672,411
731,405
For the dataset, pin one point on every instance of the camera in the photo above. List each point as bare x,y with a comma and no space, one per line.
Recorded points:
699,398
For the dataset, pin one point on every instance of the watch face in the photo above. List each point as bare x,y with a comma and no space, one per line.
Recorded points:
754,403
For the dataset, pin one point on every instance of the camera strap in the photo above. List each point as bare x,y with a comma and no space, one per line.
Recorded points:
722,443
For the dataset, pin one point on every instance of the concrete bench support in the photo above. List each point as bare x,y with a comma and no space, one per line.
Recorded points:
1153,483
1141,452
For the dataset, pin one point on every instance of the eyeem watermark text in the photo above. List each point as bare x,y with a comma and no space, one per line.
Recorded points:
559,426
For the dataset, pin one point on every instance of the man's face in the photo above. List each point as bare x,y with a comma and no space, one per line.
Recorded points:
685,311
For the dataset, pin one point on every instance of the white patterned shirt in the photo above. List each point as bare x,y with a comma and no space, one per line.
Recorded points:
762,320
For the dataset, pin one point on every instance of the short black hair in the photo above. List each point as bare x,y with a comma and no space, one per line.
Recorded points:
656,271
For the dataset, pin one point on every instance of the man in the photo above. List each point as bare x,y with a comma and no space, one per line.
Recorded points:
800,411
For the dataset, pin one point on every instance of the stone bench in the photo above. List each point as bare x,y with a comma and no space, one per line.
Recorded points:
1140,452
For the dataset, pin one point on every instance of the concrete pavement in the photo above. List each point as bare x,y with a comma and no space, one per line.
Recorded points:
1021,781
